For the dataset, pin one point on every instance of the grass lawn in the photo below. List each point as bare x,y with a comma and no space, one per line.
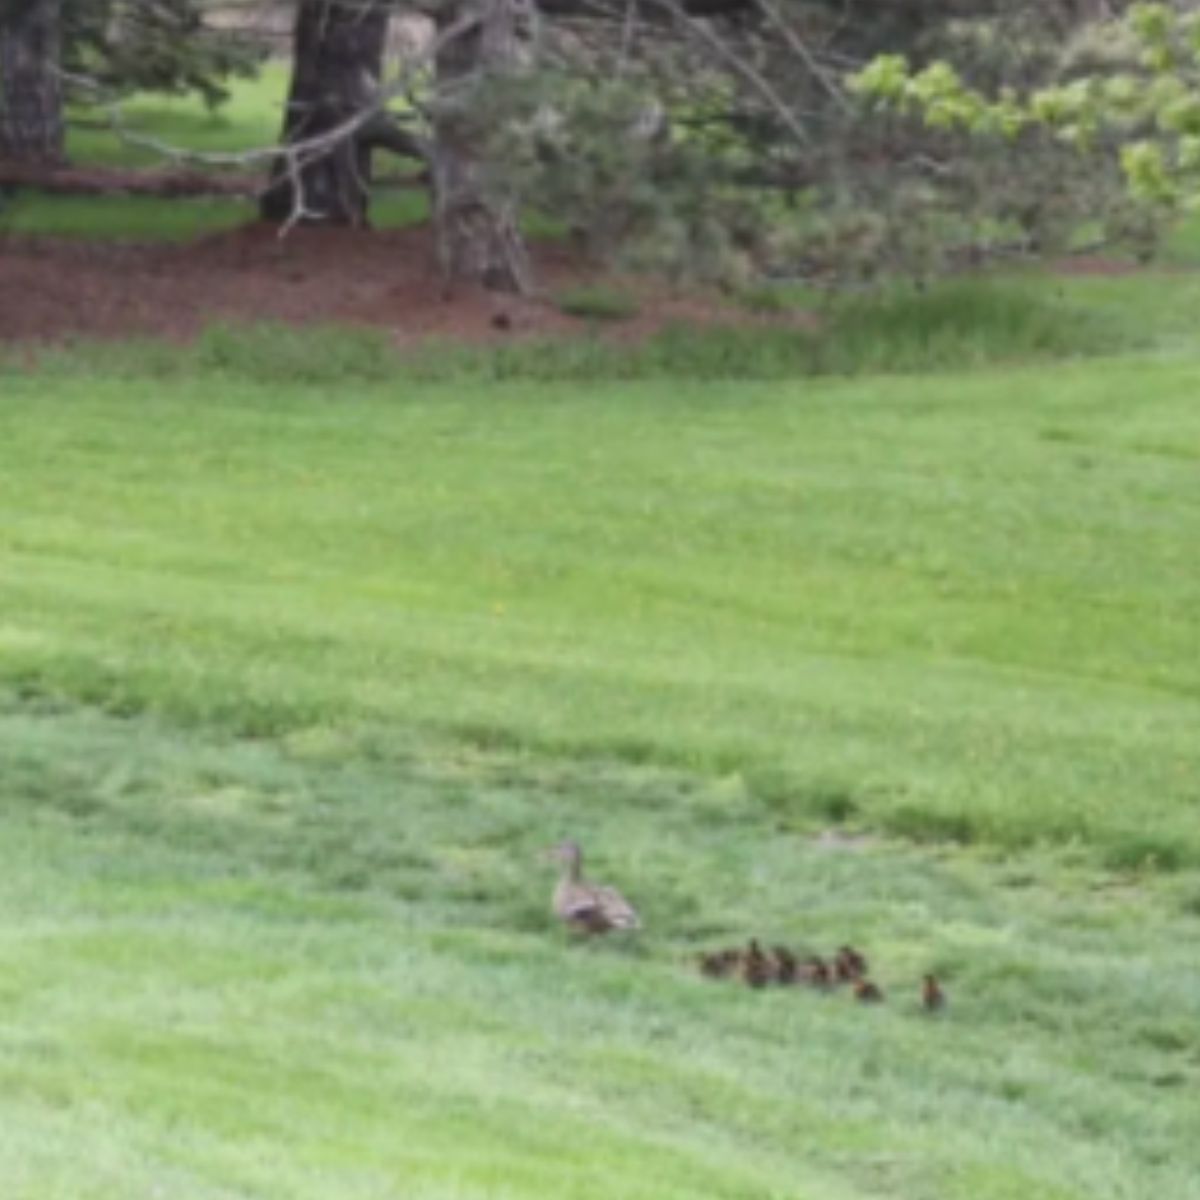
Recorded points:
300,677
965,604
260,969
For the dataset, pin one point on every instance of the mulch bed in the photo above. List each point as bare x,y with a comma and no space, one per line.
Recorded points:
55,289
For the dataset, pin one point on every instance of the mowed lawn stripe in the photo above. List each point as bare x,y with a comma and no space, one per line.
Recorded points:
968,599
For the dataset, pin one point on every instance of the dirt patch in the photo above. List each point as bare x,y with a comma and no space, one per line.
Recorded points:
52,290
1096,264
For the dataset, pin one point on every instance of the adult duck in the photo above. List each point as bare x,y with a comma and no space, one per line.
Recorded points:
588,907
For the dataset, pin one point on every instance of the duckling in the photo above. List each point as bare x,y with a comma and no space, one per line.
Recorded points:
588,907
756,967
785,965
849,964
932,997
815,971
866,992
719,964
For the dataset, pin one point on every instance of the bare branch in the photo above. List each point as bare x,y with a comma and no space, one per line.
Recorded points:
802,52
294,155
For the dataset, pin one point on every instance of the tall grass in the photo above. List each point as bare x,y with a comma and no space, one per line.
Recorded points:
955,326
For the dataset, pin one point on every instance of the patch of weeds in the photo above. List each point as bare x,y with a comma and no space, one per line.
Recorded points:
729,352
766,299
632,750
788,796
1057,434
957,325
135,357
274,353
1169,1079
1018,880
1166,1038
947,327
596,303
486,737
930,825
1144,852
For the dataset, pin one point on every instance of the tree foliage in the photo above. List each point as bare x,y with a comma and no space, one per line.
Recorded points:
843,140
739,142
1127,104
154,45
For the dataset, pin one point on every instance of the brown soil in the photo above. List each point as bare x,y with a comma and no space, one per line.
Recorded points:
1096,264
56,289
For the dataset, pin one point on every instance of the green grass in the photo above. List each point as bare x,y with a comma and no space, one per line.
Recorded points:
304,656
321,968
597,303
251,118
123,218
964,599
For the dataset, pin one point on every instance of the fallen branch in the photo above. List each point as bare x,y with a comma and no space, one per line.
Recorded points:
109,181
154,181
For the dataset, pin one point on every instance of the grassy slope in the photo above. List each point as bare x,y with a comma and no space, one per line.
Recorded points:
965,605
317,963
239,969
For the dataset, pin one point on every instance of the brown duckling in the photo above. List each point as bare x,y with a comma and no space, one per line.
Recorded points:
756,966
933,999
719,964
588,907
815,971
786,966
866,992
849,965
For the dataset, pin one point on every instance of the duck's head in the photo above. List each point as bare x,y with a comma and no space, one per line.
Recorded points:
567,853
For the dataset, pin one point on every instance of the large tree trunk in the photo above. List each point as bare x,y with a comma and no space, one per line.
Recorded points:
338,48
31,126
478,236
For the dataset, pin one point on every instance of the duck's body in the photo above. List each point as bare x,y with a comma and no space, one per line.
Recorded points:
588,907
756,967
932,996
815,971
865,992
786,965
849,965
718,964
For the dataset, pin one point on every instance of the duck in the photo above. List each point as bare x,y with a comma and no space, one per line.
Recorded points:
719,964
849,965
933,999
585,907
866,992
756,966
786,965
815,971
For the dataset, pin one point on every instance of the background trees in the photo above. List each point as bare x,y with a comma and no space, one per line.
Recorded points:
31,125
718,138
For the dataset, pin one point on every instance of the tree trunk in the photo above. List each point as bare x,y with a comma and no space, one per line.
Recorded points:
338,48
479,240
31,125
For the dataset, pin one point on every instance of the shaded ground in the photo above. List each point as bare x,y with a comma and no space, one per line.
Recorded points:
52,289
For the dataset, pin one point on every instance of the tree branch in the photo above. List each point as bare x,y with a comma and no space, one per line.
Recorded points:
104,181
